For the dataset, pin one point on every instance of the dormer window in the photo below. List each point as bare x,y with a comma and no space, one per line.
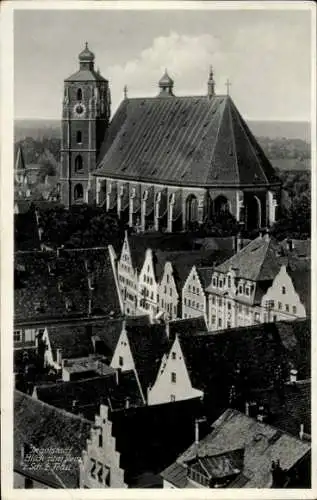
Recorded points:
283,290
240,289
247,291
214,282
220,283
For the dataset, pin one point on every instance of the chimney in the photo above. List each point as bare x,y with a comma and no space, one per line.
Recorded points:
59,356
301,432
196,432
117,375
293,376
247,406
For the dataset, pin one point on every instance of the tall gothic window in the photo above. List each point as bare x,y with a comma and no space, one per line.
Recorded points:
79,137
78,163
79,95
78,192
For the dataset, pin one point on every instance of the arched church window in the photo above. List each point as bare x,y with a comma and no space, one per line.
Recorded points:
78,192
78,163
79,137
79,95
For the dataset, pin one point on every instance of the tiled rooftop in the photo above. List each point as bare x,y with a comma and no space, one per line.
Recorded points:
256,443
47,283
183,141
84,396
43,426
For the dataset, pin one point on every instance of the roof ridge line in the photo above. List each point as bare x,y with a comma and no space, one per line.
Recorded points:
265,255
55,408
233,139
244,125
217,135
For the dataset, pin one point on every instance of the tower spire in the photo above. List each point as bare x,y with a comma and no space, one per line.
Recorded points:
211,83
125,92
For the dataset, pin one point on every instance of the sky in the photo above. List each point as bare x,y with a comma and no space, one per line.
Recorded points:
265,55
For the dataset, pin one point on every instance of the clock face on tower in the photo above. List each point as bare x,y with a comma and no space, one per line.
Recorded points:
79,109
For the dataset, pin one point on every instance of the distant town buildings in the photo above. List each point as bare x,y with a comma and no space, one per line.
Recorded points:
262,282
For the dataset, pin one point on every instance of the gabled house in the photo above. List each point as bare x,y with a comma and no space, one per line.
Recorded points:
241,452
148,286
225,368
172,382
194,297
141,348
128,279
239,284
288,297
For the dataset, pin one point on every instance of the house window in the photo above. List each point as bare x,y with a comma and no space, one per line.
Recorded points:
240,308
78,163
213,300
294,310
286,307
99,472
189,302
185,316
120,361
93,468
229,306
28,483
189,288
167,278
280,305
247,291
229,281
220,302
219,322
173,378
228,324
79,95
100,440
17,335
214,282
173,399
171,292
213,319
107,475
173,355
240,289
78,192
78,137
220,284
283,290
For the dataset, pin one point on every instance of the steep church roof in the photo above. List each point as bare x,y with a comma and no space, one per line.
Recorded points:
19,160
192,141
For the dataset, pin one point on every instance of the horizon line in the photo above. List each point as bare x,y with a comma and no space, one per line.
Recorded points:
308,120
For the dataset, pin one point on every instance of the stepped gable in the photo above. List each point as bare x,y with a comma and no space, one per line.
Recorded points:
43,426
190,141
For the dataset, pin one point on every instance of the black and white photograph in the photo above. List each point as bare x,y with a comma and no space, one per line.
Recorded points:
161,257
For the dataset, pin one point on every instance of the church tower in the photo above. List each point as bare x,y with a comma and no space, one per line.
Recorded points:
86,114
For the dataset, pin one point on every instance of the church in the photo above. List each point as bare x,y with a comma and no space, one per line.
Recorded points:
163,162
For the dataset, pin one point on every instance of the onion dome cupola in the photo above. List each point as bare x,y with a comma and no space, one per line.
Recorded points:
86,58
166,85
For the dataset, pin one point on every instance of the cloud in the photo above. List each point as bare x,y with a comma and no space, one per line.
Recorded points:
187,59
